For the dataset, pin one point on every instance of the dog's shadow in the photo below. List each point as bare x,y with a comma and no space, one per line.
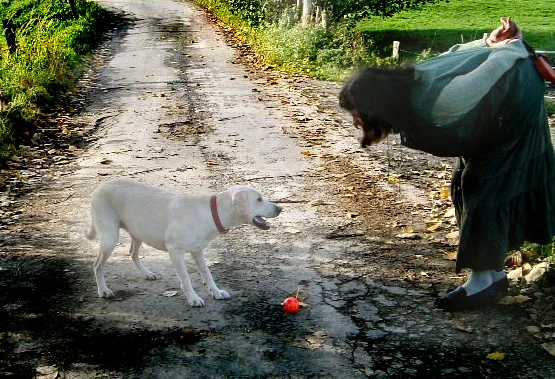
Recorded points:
125,294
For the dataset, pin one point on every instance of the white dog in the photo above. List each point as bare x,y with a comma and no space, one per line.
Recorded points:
176,223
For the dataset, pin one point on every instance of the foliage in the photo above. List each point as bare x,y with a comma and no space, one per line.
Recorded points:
258,12
249,10
315,51
361,9
550,106
540,251
50,45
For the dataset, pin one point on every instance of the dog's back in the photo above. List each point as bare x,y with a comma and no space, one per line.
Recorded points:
139,208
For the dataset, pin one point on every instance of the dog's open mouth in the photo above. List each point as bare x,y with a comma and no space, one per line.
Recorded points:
260,222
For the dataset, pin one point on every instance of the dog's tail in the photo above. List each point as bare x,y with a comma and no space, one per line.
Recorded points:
91,233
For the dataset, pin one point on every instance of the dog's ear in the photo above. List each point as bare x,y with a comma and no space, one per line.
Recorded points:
240,199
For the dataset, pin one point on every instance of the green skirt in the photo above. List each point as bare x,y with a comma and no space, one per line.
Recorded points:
504,198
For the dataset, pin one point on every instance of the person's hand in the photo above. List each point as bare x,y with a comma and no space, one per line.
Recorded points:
506,33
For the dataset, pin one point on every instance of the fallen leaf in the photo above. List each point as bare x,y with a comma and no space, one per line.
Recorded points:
509,300
452,256
169,293
449,213
47,372
444,192
515,274
506,300
519,299
452,235
434,226
319,202
549,347
291,230
408,236
308,153
393,179
497,356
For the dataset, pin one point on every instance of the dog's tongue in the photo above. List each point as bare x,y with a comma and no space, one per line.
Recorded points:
261,223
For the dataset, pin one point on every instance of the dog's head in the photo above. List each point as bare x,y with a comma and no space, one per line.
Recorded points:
253,207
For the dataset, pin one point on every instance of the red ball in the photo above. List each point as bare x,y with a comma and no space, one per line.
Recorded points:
291,305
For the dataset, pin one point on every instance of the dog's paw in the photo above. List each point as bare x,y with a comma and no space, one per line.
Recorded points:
105,293
220,294
149,276
195,301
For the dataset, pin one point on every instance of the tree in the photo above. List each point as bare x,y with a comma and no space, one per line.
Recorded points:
307,11
9,34
73,9
323,12
366,8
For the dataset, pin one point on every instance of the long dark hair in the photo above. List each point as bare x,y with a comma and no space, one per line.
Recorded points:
381,97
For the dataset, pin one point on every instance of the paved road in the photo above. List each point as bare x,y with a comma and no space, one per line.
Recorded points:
169,104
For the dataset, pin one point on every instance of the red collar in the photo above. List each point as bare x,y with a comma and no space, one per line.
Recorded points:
215,216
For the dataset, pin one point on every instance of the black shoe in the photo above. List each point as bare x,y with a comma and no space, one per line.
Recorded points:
502,286
458,300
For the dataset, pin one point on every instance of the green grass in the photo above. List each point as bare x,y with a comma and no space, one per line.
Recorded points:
439,26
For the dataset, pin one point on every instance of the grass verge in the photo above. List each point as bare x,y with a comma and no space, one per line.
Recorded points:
51,41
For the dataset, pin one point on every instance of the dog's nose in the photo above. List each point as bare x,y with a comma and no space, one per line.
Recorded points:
278,209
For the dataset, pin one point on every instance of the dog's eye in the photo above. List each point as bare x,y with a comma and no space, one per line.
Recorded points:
259,199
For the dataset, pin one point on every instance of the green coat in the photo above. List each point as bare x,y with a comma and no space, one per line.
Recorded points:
486,106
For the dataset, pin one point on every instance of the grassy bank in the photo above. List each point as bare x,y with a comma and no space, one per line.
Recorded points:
332,54
51,39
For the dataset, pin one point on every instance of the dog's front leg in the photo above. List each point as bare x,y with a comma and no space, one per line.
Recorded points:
178,261
200,260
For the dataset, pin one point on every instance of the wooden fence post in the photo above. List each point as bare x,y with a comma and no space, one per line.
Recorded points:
396,45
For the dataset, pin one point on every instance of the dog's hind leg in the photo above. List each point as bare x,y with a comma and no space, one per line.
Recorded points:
200,260
134,252
108,243
178,260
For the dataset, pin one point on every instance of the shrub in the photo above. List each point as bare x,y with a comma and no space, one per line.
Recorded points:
50,47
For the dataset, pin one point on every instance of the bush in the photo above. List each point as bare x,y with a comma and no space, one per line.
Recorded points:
50,47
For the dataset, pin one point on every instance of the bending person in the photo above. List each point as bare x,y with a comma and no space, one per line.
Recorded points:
482,102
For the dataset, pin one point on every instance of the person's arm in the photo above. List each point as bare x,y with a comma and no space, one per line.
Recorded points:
505,34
